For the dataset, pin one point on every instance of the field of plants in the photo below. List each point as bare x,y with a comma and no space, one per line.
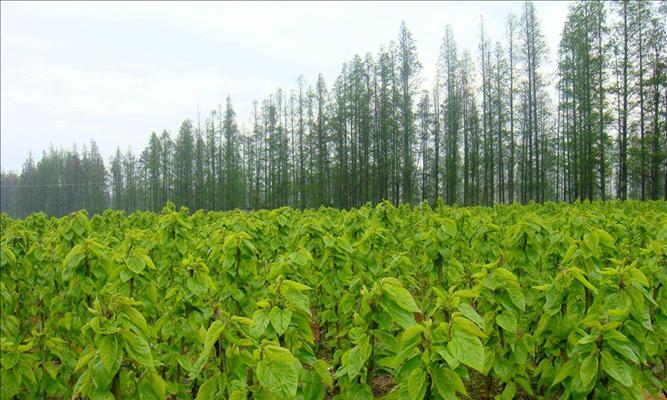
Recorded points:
537,301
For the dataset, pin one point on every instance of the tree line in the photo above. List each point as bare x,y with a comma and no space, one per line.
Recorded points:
487,131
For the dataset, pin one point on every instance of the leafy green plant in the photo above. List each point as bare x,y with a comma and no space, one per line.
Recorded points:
535,301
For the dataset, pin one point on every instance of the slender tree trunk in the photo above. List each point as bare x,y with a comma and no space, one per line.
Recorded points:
623,178
601,95
642,161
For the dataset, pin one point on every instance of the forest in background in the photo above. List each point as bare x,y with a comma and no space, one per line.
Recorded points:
494,128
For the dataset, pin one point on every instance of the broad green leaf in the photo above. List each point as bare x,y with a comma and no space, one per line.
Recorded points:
402,297
213,333
605,238
448,226
507,321
110,353
411,335
580,276
135,317
447,356
403,318
509,392
470,312
322,369
152,387
623,349
565,371
138,349
569,253
135,264
638,278
295,285
72,260
100,376
196,286
278,372
467,349
353,360
587,339
259,323
591,242
507,274
417,384
467,325
208,389
447,382
618,370
357,391
280,319
297,300
589,369
147,260
10,359
516,295
83,360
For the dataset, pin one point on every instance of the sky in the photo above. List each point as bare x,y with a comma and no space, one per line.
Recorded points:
116,71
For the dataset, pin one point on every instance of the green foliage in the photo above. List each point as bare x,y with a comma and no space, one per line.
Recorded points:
539,301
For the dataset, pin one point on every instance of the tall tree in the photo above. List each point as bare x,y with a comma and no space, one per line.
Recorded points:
424,122
231,174
166,166
322,174
436,140
624,32
487,120
130,175
367,140
156,194
511,53
452,113
118,202
409,68
656,43
499,105
533,52
183,156
199,170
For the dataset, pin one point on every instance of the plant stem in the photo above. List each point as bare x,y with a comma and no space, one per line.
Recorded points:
115,386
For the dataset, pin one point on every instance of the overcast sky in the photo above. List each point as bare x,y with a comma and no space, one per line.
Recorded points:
114,72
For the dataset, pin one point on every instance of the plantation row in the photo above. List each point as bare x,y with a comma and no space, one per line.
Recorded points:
538,301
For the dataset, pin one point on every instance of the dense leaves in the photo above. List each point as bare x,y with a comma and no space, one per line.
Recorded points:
537,301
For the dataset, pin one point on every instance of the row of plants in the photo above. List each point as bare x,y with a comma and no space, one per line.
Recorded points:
523,301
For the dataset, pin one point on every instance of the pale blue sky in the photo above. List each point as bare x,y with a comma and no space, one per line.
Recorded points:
114,72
